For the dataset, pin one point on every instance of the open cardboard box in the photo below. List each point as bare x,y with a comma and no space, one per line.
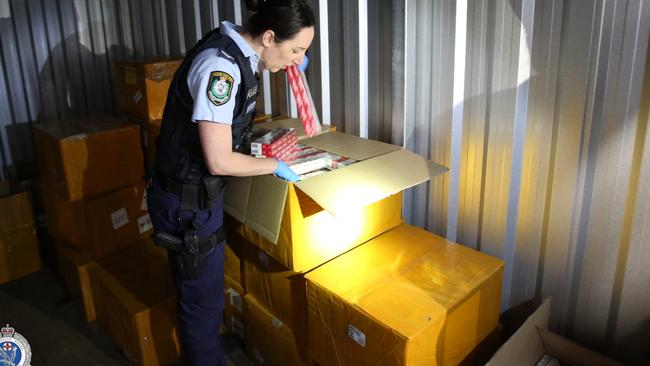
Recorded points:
533,341
305,224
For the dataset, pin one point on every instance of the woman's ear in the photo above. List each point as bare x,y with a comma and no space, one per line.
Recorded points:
268,38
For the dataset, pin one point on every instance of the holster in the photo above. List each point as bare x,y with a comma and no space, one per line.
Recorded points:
189,254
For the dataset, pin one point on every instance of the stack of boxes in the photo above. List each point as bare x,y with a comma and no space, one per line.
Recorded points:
142,87
19,254
331,275
92,180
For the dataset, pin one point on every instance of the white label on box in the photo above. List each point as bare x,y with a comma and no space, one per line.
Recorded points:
356,335
236,300
143,204
144,224
137,96
237,327
276,322
256,149
119,218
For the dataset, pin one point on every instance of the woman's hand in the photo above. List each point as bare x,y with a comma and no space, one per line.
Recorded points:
283,171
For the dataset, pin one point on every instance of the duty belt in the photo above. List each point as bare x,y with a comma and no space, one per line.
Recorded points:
191,243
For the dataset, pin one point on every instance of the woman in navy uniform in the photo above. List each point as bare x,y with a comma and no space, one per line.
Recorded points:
206,121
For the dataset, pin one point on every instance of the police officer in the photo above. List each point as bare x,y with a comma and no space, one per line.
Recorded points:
206,121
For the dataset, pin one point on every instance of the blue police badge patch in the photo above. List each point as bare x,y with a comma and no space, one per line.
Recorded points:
220,87
14,348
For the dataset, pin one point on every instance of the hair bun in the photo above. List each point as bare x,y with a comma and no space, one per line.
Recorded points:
252,5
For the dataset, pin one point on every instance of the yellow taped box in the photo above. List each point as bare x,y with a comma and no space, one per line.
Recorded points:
102,224
84,158
73,266
135,302
234,321
141,87
407,297
19,254
276,288
305,224
15,212
268,340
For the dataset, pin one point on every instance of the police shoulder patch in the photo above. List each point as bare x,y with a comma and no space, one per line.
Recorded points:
220,87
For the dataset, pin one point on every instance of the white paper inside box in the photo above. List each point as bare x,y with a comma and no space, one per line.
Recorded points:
381,171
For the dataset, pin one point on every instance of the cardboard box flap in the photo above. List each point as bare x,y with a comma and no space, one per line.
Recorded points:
533,340
235,201
369,181
350,146
570,352
258,203
524,347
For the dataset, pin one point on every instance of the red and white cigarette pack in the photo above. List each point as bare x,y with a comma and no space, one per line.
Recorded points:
274,142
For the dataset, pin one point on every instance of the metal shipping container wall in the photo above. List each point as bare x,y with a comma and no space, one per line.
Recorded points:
56,60
540,109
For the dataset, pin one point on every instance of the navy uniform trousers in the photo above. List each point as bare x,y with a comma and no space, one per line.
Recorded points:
200,301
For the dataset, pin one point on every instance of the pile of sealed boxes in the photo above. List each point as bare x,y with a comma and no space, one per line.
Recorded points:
19,253
93,188
324,271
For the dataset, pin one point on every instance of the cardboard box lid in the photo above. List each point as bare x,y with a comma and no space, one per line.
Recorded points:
383,170
407,278
533,340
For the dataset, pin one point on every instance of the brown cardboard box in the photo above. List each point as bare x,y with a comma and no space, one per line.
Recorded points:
102,224
305,224
533,341
268,340
83,158
234,321
135,302
278,289
406,297
141,87
19,254
73,268
232,262
15,212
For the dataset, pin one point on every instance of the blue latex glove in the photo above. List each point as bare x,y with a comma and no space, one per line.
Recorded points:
283,171
303,66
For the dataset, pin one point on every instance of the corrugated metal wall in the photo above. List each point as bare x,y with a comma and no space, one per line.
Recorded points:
548,149
540,108
57,57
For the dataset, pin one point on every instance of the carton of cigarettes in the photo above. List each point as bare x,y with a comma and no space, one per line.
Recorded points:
273,142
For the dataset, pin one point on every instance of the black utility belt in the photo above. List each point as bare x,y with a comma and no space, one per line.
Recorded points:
201,195
191,243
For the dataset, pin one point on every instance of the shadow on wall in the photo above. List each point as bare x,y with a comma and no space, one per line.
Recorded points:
72,82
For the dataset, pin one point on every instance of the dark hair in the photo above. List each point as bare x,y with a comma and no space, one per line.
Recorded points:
284,17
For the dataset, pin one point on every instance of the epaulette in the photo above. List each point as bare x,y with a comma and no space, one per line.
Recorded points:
227,56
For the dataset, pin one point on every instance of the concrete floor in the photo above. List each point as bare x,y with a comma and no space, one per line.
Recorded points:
39,308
